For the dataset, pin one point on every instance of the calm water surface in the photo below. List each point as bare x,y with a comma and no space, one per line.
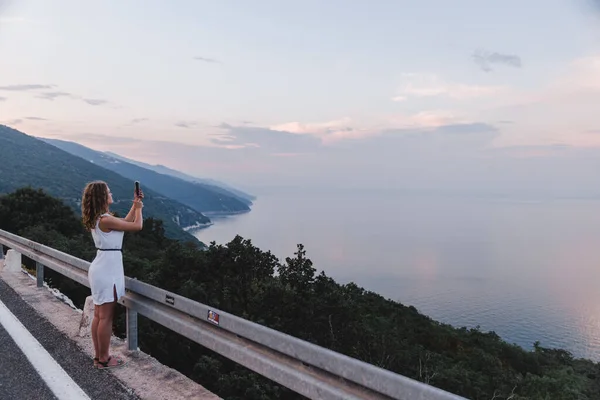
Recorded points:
528,270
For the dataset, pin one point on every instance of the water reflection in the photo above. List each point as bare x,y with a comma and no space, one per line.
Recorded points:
527,270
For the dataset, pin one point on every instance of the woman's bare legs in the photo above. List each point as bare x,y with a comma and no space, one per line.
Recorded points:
104,330
95,323
106,313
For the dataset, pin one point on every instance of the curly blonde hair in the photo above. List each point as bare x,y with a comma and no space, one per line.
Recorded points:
94,203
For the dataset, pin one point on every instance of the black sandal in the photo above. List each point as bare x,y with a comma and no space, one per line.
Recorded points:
104,365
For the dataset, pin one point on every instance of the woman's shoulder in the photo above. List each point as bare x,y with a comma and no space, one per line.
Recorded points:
100,218
108,223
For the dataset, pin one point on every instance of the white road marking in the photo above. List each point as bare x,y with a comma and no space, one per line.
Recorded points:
59,382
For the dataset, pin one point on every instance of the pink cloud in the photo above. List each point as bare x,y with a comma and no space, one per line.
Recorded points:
288,155
427,119
328,132
318,128
431,85
346,129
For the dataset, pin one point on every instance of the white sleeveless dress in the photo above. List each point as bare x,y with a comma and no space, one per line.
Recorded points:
106,271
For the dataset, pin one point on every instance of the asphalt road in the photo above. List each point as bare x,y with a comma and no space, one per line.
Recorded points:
20,380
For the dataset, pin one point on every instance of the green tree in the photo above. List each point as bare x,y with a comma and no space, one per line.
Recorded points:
298,272
27,207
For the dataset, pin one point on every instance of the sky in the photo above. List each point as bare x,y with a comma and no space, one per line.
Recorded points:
464,96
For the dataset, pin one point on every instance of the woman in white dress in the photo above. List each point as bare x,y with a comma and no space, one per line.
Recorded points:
106,275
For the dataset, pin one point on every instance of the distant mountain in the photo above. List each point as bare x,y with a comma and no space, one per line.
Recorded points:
161,169
201,197
27,161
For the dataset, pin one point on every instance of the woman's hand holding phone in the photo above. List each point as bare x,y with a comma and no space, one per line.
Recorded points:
138,196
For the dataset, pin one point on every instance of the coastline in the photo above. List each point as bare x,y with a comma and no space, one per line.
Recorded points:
197,226
224,214
214,214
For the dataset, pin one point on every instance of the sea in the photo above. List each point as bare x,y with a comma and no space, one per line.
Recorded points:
527,269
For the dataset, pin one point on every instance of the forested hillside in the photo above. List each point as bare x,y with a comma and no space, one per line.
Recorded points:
199,196
214,184
26,161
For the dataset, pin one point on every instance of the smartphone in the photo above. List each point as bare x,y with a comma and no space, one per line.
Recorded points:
137,188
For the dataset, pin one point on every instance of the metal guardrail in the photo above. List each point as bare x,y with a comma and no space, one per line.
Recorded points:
308,369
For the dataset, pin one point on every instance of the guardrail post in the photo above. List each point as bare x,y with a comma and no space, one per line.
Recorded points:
132,329
39,273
